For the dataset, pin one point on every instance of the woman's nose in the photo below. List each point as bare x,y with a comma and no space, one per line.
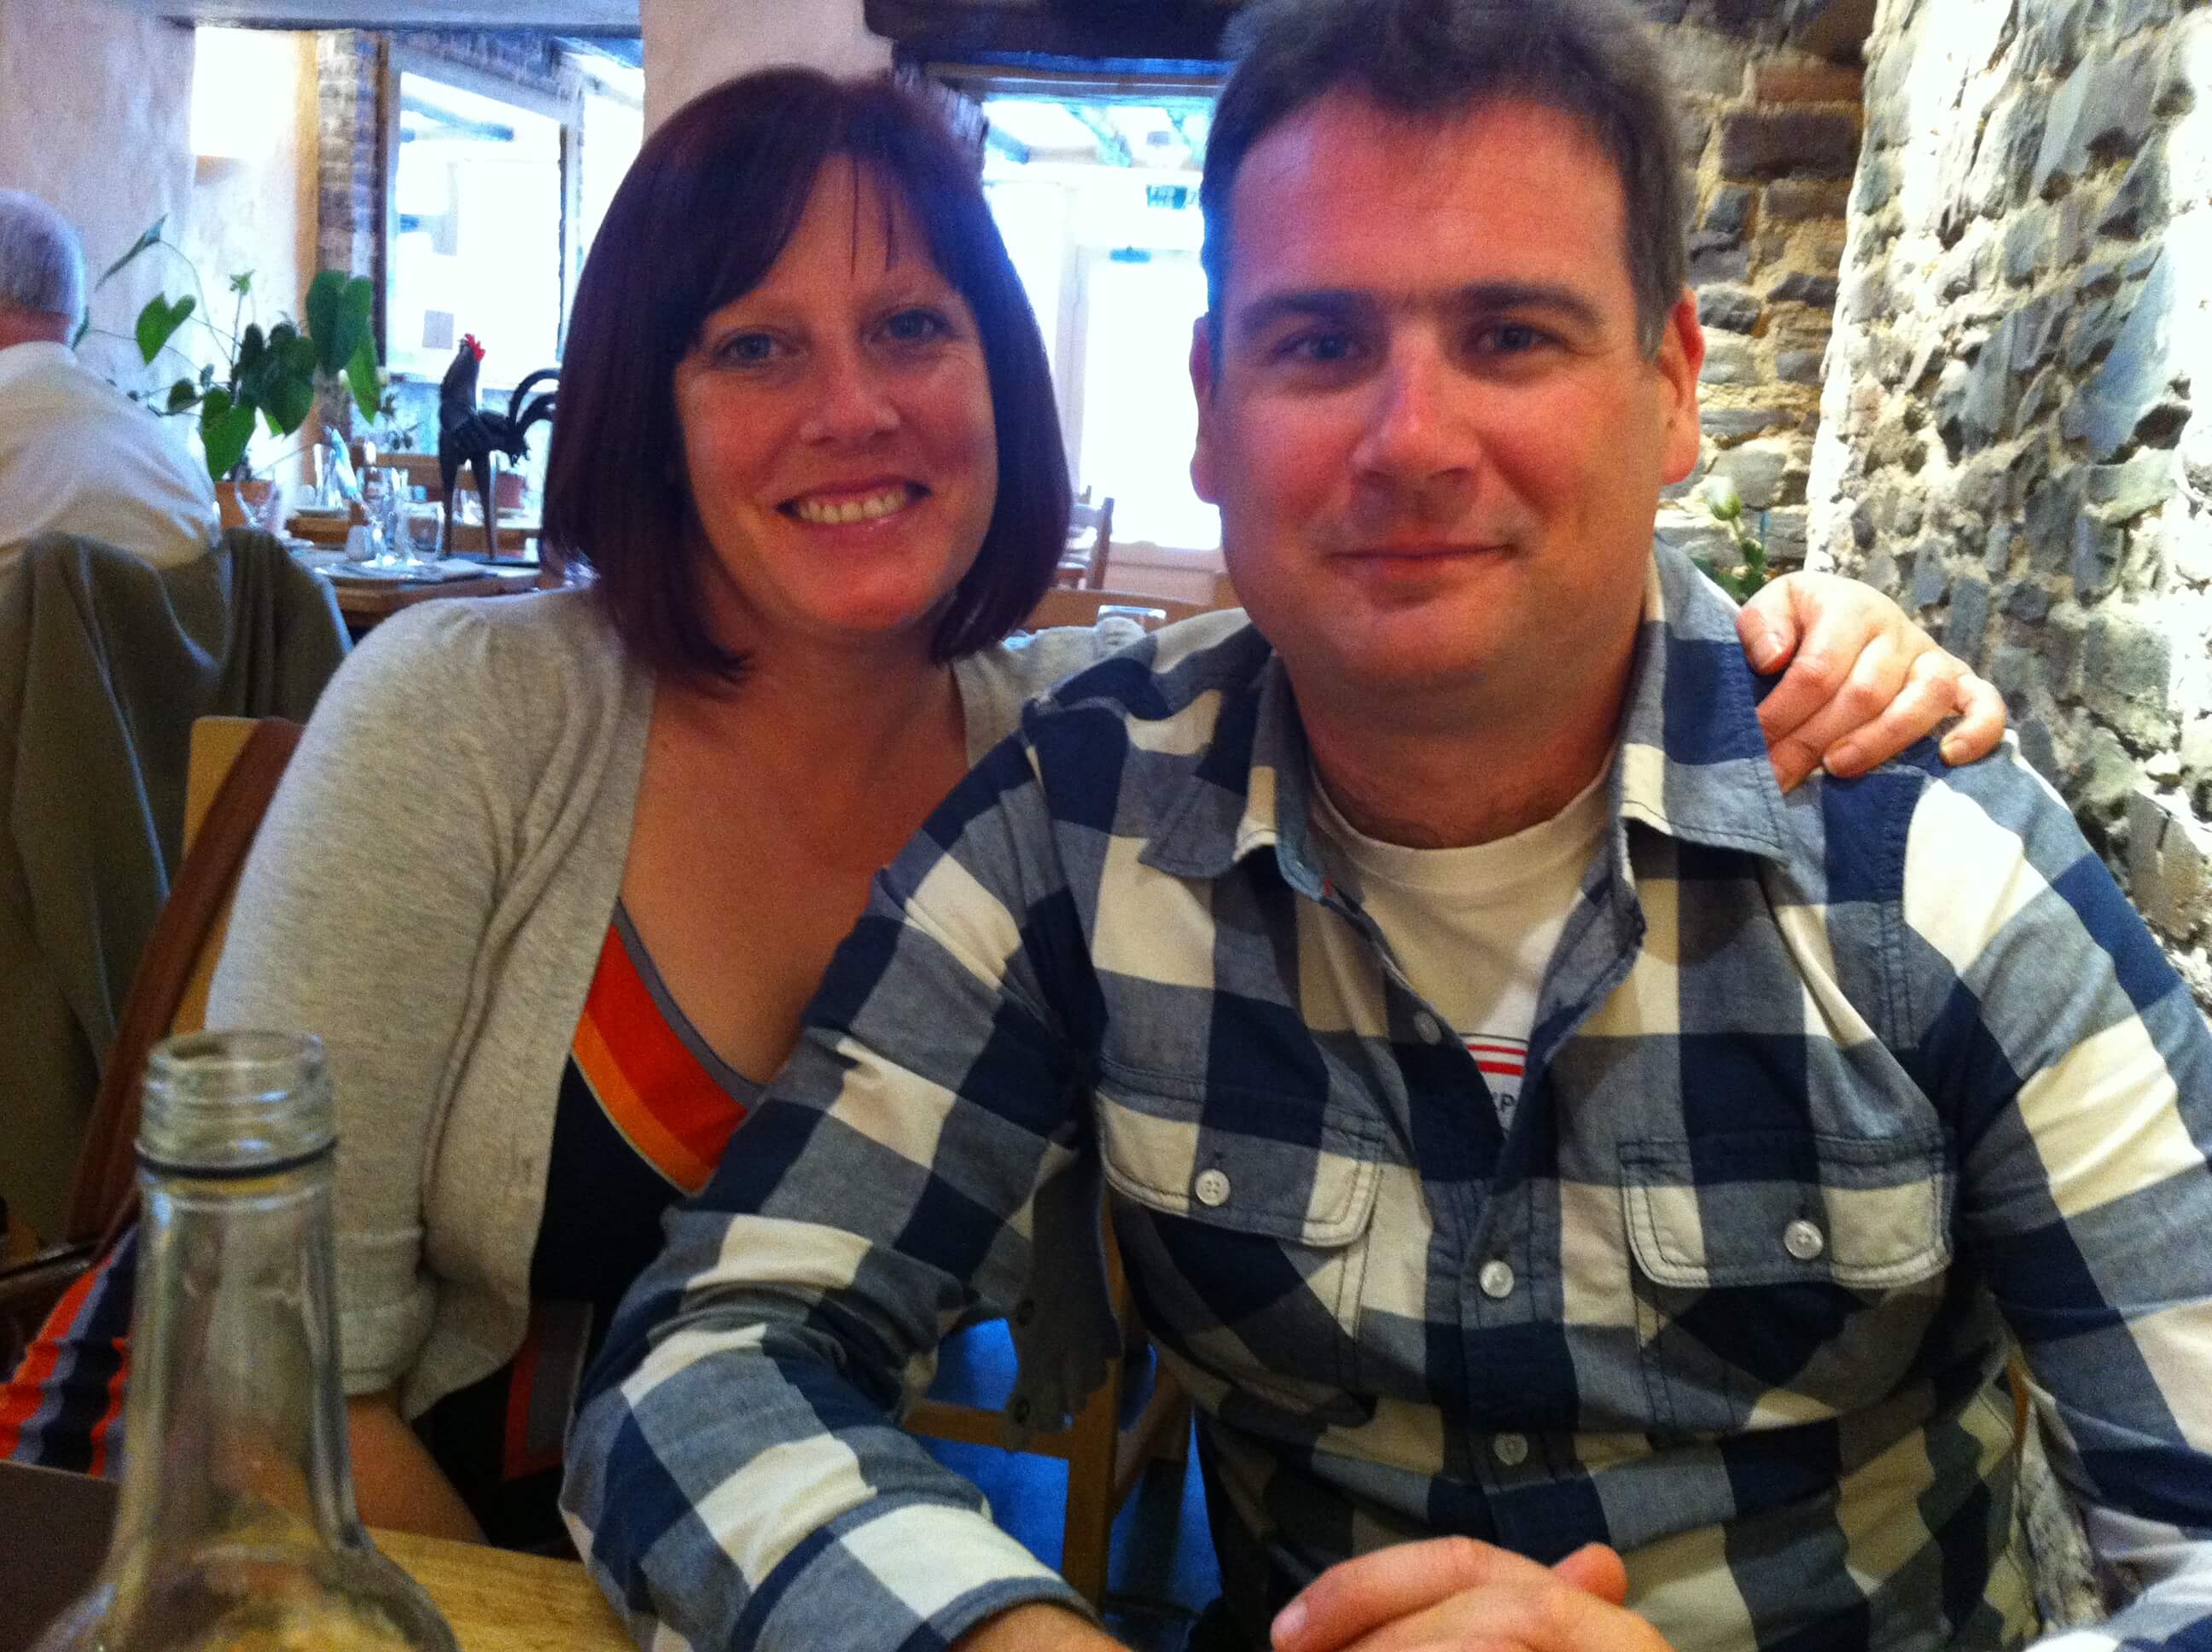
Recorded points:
853,403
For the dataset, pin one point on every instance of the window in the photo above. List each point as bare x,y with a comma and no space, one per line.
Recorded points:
476,233
1096,192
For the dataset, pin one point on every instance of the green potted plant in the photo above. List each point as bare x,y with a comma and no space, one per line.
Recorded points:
1749,571
275,376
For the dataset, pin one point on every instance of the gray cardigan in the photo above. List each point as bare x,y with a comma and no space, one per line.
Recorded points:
429,893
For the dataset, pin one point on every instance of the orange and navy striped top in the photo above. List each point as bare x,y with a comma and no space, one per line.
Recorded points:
644,1111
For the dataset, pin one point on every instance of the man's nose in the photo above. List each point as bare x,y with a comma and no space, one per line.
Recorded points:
1419,435
852,403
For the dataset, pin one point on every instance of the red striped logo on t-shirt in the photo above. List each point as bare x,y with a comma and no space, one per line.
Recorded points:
1498,1058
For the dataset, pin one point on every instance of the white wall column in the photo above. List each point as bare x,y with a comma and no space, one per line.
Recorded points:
691,45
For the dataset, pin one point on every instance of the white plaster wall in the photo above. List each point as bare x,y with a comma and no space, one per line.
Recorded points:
94,103
691,45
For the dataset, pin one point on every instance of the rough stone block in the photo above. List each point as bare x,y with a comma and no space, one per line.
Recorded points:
2196,749
2140,204
2096,328
2102,109
1707,62
2169,864
2127,673
2027,601
1785,528
1757,469
1809,142
2120,493
2103,775
2053,507
2018,674
2035,327
1986,398
2132,381
1931,580
2027,246
1728,426
1693,538
1729,213
1997,549
1736,308
1799,366
1714,259
1730,360
1806,83
2098,548
1969,620
1797,200
1799,288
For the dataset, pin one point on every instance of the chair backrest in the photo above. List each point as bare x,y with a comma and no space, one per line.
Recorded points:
1062,606
236,763
1097,520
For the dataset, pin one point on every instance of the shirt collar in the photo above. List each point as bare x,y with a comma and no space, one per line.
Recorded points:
38,355
1692,762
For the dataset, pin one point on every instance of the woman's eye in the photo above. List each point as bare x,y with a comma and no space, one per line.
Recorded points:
917,327
746,350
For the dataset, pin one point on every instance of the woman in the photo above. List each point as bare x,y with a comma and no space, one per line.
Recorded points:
555,878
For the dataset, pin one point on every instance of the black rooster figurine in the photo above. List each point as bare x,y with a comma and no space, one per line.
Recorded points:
467,436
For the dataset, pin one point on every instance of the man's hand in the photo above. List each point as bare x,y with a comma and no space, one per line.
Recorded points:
1455,1595
1864,682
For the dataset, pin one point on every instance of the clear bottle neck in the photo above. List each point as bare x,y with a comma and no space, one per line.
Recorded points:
235,1429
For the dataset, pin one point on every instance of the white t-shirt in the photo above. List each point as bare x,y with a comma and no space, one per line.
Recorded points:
1471,928
77,455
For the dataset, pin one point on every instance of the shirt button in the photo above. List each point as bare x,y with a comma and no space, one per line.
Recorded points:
1511,1449
1426,1026
1211,1188
1803,1240
1496,1279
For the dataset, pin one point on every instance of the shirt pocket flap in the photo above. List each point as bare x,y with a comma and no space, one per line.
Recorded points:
1774,1208
1231,1170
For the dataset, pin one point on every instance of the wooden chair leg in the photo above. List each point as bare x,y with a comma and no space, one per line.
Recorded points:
1086,1534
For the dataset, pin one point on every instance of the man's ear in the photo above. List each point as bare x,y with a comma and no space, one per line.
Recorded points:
1202,369
1681,358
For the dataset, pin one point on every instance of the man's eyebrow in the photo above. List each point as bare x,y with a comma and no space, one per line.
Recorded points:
1343,304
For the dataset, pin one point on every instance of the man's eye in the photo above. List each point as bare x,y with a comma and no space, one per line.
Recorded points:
917,327
1509,338
1317,348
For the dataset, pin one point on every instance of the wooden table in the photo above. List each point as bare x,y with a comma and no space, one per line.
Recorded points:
364,602
501,1601
53,1531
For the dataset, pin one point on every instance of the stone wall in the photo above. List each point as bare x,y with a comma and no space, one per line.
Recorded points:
1771,135
2008,441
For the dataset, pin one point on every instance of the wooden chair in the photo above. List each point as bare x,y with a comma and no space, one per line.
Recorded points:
1104,1453
1062,606
234,769
1083,567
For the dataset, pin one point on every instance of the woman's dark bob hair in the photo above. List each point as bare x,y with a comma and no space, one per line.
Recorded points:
706,209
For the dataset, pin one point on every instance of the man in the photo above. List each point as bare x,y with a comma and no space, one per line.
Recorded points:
1585,1191
76,456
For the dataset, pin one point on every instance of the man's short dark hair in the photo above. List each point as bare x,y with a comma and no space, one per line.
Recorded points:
1437,59
708,205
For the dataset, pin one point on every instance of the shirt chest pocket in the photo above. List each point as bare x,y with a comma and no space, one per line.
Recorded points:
1243,1221
1781,1276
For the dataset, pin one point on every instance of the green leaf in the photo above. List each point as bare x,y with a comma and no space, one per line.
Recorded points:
299,356
290,397
363,378
225,435
251,345
152,237
325,312
158,322
182,394
215,404
243,284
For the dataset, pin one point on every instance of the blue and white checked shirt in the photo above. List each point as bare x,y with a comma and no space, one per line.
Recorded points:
1825,1093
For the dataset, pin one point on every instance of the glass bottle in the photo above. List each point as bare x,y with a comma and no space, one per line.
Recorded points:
236,1530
